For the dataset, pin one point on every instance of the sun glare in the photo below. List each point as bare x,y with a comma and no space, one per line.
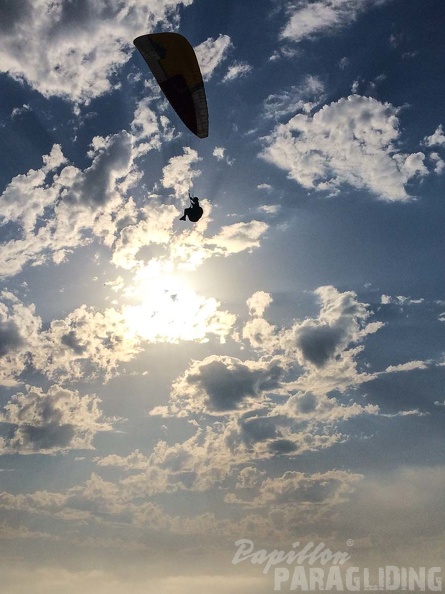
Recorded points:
170,311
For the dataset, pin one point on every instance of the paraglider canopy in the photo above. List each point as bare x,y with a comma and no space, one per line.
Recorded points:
173,63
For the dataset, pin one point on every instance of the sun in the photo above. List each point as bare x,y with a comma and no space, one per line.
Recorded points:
169,310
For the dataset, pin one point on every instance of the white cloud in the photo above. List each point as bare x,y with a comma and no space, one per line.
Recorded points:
18,111
439,163
179,173
73,201
71,49
258,303
237,70
323,16
409,366
238,237
351,141
26,196
436,139
220,153
85,342
211,53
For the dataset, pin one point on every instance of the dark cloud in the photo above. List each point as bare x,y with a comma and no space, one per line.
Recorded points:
10,339
227,382
226,386
12,12
319,343
71,340
47,437
282,446
258,429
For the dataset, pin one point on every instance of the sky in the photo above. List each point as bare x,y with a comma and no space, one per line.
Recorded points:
272,374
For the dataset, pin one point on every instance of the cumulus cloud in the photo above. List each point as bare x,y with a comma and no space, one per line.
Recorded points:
436,139
85,342
220,385
258,303
280,404
26,196
351,141
72,49
179,172
52,421
19,327
323,17
439,163
72,200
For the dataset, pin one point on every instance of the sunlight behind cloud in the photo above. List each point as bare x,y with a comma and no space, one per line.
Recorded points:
171,311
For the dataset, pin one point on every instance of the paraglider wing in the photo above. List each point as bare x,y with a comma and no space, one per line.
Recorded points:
173,63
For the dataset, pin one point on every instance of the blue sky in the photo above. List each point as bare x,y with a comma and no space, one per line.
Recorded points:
274,372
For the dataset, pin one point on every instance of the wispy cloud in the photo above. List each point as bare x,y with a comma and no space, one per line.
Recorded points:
211,53
323,17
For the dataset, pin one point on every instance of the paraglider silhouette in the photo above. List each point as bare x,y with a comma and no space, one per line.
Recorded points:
194,212
175,67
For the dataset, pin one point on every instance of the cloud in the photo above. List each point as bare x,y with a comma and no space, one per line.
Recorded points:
258,303
171,312
179,173
323,17
351,141
280,404
438,161
19,327
71,200
409,366
134,461
84,342
341,322
302,97
436,139
237,70
72,49
238,237
10,339
220,153
25,198
221,385
18,111
52,421
328,488
211,53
